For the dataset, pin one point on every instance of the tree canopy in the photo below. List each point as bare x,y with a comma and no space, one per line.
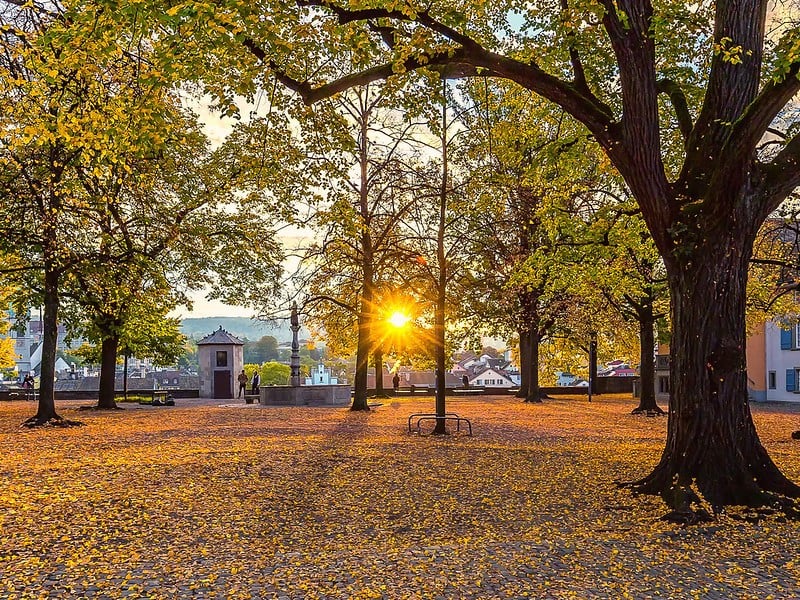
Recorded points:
697,171
691,103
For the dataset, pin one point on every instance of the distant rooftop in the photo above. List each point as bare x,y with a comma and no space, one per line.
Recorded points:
220,336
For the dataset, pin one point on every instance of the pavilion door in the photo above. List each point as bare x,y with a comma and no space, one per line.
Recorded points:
222,385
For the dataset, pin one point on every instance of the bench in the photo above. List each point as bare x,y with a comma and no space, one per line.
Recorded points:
471,390
250,398
24,393
422,391
160,395
420,417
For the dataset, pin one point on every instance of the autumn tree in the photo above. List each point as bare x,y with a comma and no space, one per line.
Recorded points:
358,251
175,225
439,235
70,105
613,66
529,179
125,196
129,225
621,262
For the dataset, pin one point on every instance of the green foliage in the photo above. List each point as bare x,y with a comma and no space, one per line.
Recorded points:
189,359
145,333
87,353
263,350
274,373
271,373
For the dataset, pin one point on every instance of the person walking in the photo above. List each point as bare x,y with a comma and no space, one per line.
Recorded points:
242,379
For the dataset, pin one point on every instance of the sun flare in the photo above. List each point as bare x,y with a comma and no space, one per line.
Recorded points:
399,319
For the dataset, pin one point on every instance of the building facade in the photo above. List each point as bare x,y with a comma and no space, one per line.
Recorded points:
769,358
221,358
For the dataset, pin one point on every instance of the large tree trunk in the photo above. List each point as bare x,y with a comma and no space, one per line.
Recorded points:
378,360
364,345
47,371
647,372
441,282
713,454
108,372
533,393
362,361
524,363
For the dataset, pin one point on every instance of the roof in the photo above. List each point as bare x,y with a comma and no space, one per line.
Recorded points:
492,371
220,336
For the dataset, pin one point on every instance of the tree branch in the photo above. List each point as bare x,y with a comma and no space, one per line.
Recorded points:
755,121
469,59
574,57
678,100
782,175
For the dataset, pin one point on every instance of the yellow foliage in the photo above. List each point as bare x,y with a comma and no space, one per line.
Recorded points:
8,353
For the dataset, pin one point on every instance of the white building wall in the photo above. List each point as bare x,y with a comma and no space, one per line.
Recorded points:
321,376
778,362
491,378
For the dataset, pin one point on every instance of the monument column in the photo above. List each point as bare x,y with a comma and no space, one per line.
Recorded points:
294,379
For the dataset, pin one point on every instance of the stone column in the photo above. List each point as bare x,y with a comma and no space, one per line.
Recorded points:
294,379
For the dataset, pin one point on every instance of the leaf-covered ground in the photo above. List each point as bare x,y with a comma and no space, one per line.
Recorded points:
208,501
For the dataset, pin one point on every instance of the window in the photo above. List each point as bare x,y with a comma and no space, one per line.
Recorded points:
222,358
772,380
663,384
790,338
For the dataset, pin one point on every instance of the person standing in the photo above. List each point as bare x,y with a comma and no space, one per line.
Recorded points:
28,382
396,382
242,379
255,383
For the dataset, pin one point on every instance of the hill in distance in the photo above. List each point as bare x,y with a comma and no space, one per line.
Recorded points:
242,327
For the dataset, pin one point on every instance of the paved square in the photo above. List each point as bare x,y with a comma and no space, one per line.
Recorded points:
209,501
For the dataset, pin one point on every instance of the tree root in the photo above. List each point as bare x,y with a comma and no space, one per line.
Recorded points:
649,412
56,421
691,506
688,517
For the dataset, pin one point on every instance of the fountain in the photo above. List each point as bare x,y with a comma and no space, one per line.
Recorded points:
296,394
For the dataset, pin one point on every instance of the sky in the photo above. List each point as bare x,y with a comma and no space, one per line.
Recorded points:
212,308
216,128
